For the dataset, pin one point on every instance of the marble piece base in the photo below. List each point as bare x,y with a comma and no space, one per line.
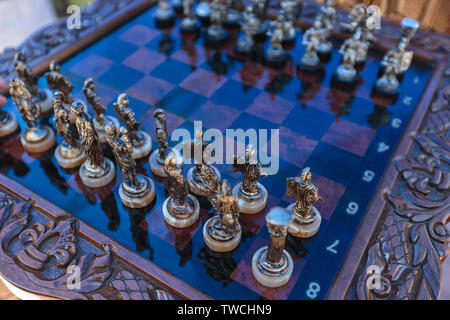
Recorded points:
100,181
182,223
142,200
40,146
144,149
46,104
250,206
69,163
220,246
192,185
10,126
101,129
158,168
301,230
271,281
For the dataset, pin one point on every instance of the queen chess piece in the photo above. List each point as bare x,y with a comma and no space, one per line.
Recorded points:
97,171
37,137
272,265
252,195
275,54
164,14
216,34
246,44
312,38
190,23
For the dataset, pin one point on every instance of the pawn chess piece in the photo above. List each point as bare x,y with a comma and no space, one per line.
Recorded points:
189,24
180,209
203,11
100,120
251,195
272,266
275,54
158,158
312,38
215,33
346,71
164,14
307,219
245,44
69,153
141,141
36,138
97,171
8,123
233,17
57,81
42,97
136,190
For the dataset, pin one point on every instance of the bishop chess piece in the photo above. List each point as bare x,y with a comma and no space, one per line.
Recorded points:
272,265
251,195
141,141
41,96
312,38
97,171
158,158
233,17
307,218
215,33
69,154
203,11
37,137
57,81
346,72
100,120
246,44
189,24
180,209
136,190
275,54
8,123
164,14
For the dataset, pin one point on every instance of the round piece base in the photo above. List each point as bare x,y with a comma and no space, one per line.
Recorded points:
69,163
220,246
216,41
387,93
145,148
192,27
276,61
301,230
138,202
271,280
10,126
46,104
158,168
244,50
250,206
310,68
185,222
40,146
100,181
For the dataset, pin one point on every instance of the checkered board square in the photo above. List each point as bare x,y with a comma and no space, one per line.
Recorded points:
344,137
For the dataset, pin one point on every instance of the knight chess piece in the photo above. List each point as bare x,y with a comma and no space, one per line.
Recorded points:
57,81
275,54
233,17
312,38
97,171
272,265
164,14
307,219
246,44
37,137
141,141
158,158
136,190
8,123
189,24
216,34
252,195
69,153
180,209
203,11
100,120
41,96
346,71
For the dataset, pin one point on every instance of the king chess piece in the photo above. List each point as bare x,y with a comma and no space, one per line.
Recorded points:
312,39
41,96
233,17
100,120
164,14
246,44
180,209
97,171
136,190
272,266
36,138
216,34
275,54
252,195
141,141
307,219
158,158
346,72
69,154
189,24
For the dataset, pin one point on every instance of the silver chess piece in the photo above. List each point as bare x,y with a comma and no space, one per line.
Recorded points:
346,71
189,23
275,53
259,8
312,39
203,10
233,16
215,32
164,14
361,17
288,11
246,44
327,18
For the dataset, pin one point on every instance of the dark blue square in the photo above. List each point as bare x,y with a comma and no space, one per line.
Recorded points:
285,86
248,121
235,94
112,48
165,44
121,77
182,102
222,64
172,71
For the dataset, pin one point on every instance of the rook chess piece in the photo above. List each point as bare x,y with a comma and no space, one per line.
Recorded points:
215,33
245,44
307,218
272,266
312,38
164,14
189,23
57,81
251,195
136,190
36,137
275,54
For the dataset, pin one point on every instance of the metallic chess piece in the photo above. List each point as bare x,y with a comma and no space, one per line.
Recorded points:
233,16
288,11
307,218
189,23
69,153
312,38
141,141
136,190
203,11
42,97
346,71
158,158
360,18
251,195
246,44
36,137
97,171
215,32
275,54
327,18
180,209
259,8
272,266
57,81
164,14
100,120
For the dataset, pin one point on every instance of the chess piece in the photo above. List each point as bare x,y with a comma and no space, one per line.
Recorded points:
288,11
326,18
42,97
245,44
275,54
189,24
69,153
164,14
259,8
251,195
312,38
100,120
180,209
346,71
158,158
216,33
307,218
233,16
360,18
203,11
57,81
136,190
177,5
36,137
272,266
97,171
141,141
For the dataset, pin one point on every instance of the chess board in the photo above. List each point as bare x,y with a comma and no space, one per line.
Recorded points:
343,136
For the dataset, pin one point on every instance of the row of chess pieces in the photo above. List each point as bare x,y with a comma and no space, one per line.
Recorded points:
317,40
82,147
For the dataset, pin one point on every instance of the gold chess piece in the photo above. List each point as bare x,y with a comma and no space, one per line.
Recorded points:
57,81
36,138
